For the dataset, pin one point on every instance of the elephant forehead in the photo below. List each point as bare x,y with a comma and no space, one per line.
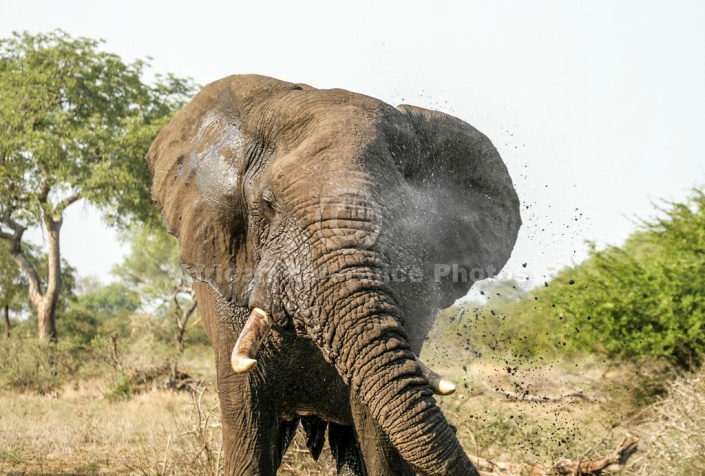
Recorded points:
351,193
329,139
319,165
314,118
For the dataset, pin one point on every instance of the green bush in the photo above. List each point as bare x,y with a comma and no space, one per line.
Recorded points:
138,360
99,312
647,298
121,389
643,300
29,364
500,328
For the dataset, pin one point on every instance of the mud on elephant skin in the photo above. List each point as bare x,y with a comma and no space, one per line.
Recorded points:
325,229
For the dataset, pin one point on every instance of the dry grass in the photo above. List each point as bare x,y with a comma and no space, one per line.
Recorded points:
86,427
162,432
297,460
674,434
158,432
195,447
82,434
533,430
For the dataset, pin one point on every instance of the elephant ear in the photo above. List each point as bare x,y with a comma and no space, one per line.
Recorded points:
202,162
467,211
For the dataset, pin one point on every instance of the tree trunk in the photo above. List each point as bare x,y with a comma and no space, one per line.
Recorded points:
44,304
46,311
6,318
47,324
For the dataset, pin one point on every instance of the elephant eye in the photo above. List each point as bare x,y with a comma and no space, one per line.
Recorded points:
268,203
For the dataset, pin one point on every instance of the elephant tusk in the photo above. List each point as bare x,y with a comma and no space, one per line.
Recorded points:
439,385
245,350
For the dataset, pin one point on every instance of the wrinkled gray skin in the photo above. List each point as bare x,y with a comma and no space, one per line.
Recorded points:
340,216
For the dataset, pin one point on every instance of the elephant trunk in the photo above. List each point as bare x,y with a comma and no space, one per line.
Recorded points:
370,349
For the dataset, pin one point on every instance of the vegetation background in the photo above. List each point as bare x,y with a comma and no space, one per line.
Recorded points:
118,377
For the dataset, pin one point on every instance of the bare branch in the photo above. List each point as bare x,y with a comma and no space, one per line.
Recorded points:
12,224
182,319
181,316
18,256
184,289
191,309
35,293
68,201
612,462
178,310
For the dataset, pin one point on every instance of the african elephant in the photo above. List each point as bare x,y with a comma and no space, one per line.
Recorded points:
324,230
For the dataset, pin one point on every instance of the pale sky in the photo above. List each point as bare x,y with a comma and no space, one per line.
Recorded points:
597,107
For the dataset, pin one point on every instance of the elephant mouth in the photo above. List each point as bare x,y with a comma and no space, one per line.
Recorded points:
257,327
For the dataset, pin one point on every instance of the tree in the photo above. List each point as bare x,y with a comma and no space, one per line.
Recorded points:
99,310
12,286
75,123
152,268
643,299
13,283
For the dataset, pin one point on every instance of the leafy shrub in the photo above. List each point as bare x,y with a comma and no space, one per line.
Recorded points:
101,311
29,364
520,328
121,389
645,299
132,362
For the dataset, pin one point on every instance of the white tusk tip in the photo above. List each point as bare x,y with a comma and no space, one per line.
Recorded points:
242,364
446,387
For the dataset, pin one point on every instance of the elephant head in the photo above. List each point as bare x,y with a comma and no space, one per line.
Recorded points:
345,220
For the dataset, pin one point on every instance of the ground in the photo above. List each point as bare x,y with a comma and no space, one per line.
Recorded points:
76,429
